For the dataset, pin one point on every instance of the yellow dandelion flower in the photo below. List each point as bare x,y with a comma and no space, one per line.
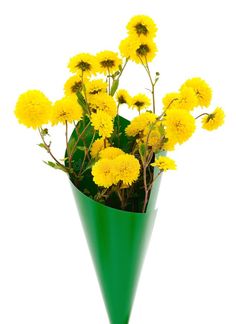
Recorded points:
84,64
65,110
108,62
98,146
128,46
102,122
127,168
103,102
213,120
171,100
123,97
103,173
95,87
72,85
139,123
140,102
164,163
201,89
187,98
144,52
110,153
142,26
180,125
33,109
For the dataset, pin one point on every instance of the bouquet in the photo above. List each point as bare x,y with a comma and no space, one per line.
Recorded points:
110,160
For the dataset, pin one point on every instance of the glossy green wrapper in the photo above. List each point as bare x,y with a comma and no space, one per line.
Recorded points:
117,241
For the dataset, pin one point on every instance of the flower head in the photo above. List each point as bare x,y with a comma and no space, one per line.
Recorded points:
171,100
103,173
180,125
33,109
139,123
65,110
108,62
140,102
102,122
110,153
142,26
128,46
184,99
98,146
144,52
84,64
103,102
126,168
201,89
72,85
213,120
164,163
152,137
123,97
95,87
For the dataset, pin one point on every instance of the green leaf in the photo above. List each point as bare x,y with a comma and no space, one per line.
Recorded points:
142,149
82,148
162,130
43,146
55,166
114,87
81,100
44,132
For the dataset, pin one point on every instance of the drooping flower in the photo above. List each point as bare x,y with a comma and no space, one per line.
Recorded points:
139,123
103,173
142,26
108,62
123,97
33,109
164,163
83,64
65,110
98,146
103,102
140,102
180,125
201,89
126,168
110,153
102,122
72,85
213,120
95,87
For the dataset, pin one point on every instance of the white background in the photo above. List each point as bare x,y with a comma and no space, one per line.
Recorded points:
46,274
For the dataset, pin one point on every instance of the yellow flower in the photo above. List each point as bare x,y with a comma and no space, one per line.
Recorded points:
97,146
102,122
95,87
128,46
140,102
126,168
84,64
65,110
213,120
144,52
103,102
187,99
201,89
142,26
123,97
108,62
33,109
180,125
139,123
110,153
170,143
171,100
103,173
72,85
164,163
152,137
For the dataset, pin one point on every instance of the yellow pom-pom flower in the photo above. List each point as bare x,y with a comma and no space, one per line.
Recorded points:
139,123
108,62
201,89
144,52
126,168
123,97
110,153
65,110
103,102
184,99
72,85
95,87
164,163
170,100
142,26
128,46
98,146
180,125
152,137
140,102
169,144
213,120
103,173
33,109
102,122
83,64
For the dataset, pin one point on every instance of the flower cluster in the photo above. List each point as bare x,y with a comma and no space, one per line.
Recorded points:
118,159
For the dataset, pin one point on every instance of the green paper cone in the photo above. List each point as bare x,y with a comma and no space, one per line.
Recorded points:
117,241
